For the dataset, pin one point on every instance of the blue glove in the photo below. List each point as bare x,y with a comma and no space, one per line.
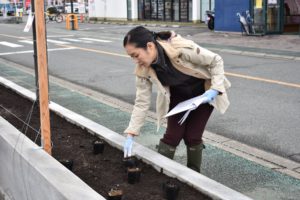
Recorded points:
209,95
128,146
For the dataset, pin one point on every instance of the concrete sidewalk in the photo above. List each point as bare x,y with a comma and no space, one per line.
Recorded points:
282,46
223,163
273,46
286,46
11,20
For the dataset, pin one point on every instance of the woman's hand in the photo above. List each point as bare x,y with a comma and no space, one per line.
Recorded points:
209,95
128,145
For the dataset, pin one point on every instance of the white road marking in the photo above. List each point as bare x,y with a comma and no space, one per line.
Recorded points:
112,38
117,71
15,52
57,42
61,49
26,41
31,51
96,40
10,44
100,28
59,36
76,40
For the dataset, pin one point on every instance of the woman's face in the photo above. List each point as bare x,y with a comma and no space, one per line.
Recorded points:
142,57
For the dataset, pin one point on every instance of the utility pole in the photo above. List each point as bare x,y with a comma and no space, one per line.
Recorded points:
41,44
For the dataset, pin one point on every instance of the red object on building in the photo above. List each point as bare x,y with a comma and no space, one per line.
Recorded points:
27,3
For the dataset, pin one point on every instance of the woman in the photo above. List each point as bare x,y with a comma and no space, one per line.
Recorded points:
181,70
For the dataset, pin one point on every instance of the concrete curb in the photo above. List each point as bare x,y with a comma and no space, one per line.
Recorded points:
139,24
269,160
171,168
150,24
280,164
250,153
11,20
29,172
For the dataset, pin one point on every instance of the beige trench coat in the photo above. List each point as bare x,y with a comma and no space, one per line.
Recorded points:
189,58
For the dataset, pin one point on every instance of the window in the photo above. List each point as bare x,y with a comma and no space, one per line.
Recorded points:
147,9
176,10
184,10
169,10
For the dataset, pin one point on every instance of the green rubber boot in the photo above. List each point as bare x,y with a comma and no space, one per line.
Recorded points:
194,156
166,150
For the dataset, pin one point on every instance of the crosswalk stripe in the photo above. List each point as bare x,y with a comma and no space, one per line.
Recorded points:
57,42
83,40
76,40
96,40
10,44
71,40
59,36
26,41
31,51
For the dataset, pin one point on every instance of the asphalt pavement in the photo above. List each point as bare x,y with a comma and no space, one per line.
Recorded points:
255,173
232,167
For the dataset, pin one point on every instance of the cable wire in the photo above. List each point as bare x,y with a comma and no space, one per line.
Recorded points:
24,123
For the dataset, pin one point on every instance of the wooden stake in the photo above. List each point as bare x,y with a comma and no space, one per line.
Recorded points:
43,74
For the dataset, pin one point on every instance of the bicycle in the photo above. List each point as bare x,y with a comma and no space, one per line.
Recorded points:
54,17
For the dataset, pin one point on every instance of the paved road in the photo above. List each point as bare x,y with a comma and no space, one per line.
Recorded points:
264,96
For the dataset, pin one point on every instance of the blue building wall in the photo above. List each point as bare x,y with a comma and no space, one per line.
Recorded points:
225,14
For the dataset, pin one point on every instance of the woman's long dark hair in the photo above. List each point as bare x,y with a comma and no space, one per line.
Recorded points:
140,36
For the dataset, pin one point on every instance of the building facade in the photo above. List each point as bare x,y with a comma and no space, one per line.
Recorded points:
165,10
156,10
269,16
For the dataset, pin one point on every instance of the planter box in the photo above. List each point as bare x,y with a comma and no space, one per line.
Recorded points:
180,174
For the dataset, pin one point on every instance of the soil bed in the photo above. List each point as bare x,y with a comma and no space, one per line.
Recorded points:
102,171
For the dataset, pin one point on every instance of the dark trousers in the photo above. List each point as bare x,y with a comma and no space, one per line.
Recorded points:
192,129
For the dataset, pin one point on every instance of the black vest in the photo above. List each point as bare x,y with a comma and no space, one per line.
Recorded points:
179,82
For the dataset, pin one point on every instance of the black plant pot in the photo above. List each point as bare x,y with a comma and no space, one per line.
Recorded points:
133,175
171,190
130,162
115,194
98,146
67,163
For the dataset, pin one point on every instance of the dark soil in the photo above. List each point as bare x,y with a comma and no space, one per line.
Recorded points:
101,172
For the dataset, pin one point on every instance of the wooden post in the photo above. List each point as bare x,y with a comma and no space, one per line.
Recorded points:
43,74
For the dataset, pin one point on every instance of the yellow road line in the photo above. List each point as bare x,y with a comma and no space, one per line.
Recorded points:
98,51
227,73
263,80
